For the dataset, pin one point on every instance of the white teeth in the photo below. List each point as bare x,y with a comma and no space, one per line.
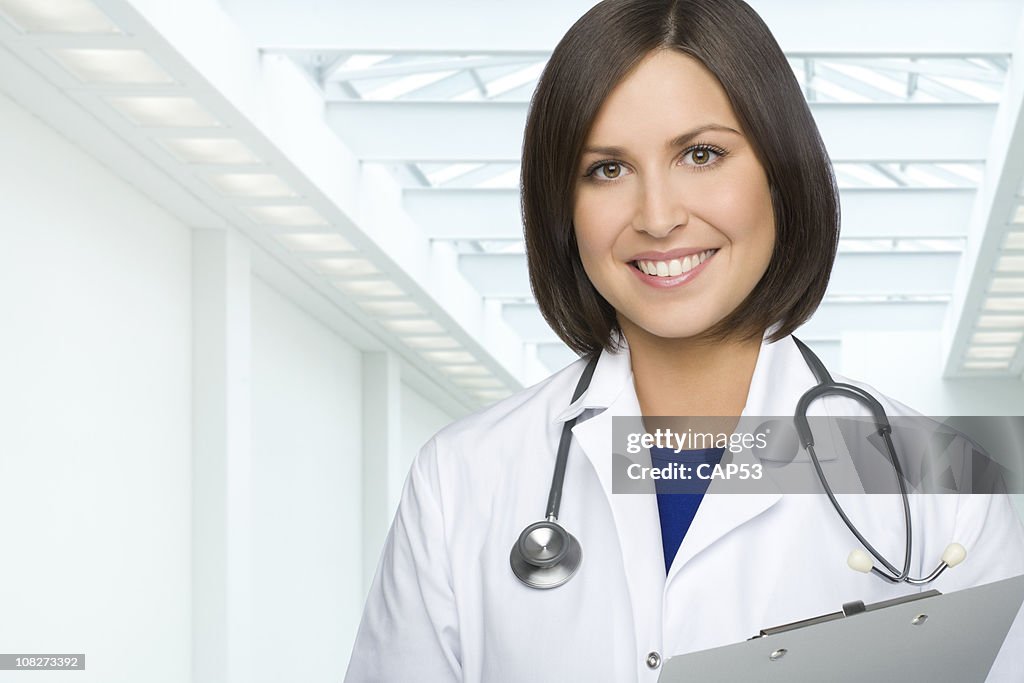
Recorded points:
675,266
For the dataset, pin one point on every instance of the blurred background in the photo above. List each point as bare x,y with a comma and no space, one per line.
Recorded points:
254,253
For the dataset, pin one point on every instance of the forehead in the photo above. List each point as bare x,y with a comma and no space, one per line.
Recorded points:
667,93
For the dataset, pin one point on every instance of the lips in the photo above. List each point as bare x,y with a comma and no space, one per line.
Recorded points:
666,267
663,274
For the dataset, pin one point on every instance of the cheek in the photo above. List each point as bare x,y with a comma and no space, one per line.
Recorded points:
742,210
598,221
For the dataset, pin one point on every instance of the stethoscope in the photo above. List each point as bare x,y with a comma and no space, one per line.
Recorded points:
546,555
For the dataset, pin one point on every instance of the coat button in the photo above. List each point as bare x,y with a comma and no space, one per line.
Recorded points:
653,660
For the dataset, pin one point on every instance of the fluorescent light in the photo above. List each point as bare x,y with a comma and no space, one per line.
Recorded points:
449,356
343,266
251,185
478,382
996,337
209,151
284,215
91,65
57,16
1014,240
390,308
1010,264
464,370
315,241
992,352
1001,321
423,326
369,287
430,342
1007,284
987,365
1004,304
183,112
1019,217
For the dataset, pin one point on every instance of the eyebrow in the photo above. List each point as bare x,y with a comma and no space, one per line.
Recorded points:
678,141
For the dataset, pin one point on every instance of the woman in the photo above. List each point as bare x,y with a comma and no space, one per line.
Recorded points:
681,221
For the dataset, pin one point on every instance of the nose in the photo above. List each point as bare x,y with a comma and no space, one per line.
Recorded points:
662,208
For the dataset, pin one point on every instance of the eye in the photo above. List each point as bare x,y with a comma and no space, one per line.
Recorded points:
608,170
703,155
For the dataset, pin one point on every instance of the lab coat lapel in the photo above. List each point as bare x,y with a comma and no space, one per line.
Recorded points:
775,387
635,515
780,378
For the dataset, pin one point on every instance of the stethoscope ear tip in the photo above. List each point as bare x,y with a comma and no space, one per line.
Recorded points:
860,561
954,554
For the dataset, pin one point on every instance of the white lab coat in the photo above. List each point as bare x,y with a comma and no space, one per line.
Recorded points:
445,606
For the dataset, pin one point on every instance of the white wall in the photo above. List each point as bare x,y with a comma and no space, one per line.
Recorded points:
420,419
95,413
181,447
907,366
306,493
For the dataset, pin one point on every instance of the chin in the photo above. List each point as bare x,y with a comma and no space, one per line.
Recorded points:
666,330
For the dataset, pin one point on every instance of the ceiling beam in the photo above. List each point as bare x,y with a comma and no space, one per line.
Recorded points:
998,202
866,27
887,213
412,130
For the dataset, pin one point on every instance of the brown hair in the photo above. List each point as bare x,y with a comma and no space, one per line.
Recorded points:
735,45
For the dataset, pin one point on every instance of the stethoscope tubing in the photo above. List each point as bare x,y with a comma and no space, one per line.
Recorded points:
545,572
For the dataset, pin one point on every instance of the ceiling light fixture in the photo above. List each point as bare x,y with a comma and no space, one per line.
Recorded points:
314,241
464,370
1011,303
286,215
1002,285
996,337
449,356
992,352
209,151
430,342
111,66
422,326
343,266
183,112
392,308
57,16
987,365
251,185
369,288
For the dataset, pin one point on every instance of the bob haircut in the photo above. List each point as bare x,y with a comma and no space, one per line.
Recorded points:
735,45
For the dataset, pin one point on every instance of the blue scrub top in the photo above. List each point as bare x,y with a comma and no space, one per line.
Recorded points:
678,499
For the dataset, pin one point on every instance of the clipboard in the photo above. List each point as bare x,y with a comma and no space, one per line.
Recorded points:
928,636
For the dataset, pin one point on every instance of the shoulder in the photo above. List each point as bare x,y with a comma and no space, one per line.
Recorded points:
891,405
912,422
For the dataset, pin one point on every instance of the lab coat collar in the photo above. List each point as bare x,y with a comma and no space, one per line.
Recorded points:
636,515
614,372
611,376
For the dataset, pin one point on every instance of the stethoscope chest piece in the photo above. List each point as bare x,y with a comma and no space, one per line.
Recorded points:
545,555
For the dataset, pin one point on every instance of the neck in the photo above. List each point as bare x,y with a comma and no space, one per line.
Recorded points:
690,376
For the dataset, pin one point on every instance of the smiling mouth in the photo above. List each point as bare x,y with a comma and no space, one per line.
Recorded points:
673,267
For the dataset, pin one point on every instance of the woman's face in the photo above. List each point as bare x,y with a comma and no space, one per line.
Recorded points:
666,177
